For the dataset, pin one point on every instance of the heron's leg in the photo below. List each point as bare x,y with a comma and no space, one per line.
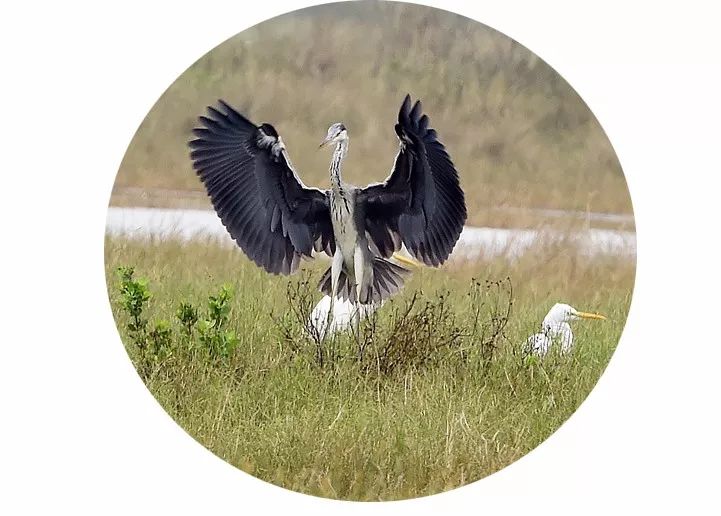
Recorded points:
363,273
359,267
335,269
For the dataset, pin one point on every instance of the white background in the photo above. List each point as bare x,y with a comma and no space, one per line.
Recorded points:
79,432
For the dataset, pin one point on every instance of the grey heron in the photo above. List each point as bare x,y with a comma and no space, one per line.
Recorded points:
277,220
556,328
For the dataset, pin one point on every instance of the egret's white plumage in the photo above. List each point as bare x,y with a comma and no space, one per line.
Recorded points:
342,317
556,329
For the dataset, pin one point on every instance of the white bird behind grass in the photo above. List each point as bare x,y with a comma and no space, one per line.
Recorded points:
342,317
345,311
556,329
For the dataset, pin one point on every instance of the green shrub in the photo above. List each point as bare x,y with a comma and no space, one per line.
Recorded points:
215,338
154,347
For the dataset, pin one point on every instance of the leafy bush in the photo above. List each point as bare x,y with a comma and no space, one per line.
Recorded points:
207,337
134,294
187,315
219,342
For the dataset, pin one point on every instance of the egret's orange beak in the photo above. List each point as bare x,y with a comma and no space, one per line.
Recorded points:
587,315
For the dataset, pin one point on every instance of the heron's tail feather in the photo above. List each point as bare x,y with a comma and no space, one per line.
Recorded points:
388,279
346,290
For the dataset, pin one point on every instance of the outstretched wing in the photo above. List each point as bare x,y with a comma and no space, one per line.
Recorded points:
258,196
421,202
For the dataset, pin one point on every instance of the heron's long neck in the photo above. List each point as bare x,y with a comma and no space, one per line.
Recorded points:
341,149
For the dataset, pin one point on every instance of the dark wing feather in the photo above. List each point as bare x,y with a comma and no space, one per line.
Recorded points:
421,202
256,193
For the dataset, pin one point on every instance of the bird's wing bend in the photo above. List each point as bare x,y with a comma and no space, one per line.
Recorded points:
258,196
421,202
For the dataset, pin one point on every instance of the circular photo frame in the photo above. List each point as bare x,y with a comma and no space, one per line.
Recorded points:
409,308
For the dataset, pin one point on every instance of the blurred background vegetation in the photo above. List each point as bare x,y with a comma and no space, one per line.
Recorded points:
520,136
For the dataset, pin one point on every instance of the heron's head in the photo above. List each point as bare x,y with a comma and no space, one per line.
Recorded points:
336,132
561,312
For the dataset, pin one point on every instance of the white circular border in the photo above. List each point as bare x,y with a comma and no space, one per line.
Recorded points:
81,432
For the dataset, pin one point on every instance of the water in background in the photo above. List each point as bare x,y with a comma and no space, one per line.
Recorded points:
474,242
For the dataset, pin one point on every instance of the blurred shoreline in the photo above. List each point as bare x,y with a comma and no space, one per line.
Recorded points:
474,242
508,217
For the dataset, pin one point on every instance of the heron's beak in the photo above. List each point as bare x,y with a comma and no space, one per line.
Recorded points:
586,315
324,142
406,260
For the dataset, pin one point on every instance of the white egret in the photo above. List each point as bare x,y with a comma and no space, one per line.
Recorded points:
342,317
344,312
556,329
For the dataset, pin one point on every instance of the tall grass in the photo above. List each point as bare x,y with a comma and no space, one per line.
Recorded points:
518,133
447,413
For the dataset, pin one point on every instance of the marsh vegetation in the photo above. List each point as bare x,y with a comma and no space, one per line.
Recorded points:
381,415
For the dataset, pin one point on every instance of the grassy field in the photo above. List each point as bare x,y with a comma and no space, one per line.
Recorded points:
370,429
519,135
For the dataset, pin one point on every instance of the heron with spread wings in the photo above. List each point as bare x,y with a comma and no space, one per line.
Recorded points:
277,220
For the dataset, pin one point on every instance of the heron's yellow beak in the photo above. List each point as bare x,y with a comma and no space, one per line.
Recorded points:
324,142
586,315
406,261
